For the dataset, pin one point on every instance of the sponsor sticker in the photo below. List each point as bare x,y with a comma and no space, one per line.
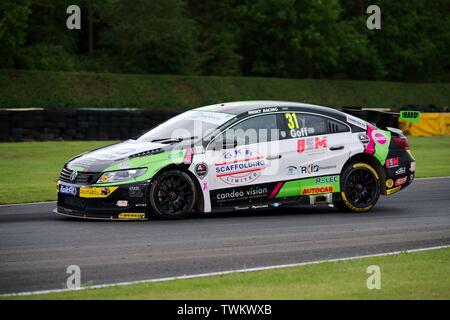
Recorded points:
379,137
70,190
312,143
310,168
401,181
389,183
411,116
356,122
393,190
264,110
392,162
240,166
96,192
135,192
290,171
201,170
412,167
122,203
400,171
364,138
317,190
328,179
132,215
319,185
238,194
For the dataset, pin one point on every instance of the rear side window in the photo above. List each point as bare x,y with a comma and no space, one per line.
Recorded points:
304,125
254,130
336,127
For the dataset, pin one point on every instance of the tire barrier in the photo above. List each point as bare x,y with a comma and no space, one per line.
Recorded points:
77,124
430,124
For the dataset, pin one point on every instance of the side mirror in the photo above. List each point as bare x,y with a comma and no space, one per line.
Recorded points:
229,144
220,144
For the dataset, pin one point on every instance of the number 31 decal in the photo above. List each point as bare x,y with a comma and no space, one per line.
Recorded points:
292,120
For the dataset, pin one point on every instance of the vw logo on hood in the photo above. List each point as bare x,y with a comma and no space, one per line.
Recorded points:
73,175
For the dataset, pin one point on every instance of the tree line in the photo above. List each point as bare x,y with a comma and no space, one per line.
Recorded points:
269,38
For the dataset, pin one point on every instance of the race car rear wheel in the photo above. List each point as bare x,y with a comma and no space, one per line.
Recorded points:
360,188
172,195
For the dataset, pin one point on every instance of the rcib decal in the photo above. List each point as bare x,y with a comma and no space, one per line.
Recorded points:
310,168
201,169
313,143
240,166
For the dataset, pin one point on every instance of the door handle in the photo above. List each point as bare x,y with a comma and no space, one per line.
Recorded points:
274,157
336,148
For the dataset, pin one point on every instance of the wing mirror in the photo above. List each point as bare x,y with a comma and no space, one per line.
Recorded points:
222,144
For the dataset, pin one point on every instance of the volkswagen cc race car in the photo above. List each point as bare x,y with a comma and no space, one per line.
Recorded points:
240,156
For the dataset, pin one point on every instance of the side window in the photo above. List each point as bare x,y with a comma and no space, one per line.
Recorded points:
304,125
336,127
254,130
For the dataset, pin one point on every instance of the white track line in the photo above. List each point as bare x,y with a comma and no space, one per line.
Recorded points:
433,178
220,273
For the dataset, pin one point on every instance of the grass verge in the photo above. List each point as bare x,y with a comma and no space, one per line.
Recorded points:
29,170
419,275
44,89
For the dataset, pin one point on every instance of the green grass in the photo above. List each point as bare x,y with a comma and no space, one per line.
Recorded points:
420,275
432,155
29,170
28,88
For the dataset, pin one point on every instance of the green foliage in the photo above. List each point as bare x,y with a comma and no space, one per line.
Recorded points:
149,37
45,57
271,38
80,89
219,34
13,23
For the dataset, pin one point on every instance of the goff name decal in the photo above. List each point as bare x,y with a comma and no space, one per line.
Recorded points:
240,166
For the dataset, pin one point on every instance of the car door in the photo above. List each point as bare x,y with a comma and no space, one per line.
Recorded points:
247,166
321,143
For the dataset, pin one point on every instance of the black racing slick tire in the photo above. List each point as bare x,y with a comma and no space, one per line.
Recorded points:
360,188
172,195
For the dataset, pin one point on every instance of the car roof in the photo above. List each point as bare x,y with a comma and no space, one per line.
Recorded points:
240,107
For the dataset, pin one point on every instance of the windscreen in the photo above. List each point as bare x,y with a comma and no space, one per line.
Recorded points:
190,125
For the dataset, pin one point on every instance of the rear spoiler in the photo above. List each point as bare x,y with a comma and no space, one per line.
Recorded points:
382,119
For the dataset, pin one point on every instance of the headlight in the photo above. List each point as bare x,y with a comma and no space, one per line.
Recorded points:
122,175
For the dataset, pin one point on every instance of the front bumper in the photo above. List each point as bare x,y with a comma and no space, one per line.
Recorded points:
120,202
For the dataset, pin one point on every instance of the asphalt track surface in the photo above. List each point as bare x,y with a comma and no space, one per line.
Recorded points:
37,246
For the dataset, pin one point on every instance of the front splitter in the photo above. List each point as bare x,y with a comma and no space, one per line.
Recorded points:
90,217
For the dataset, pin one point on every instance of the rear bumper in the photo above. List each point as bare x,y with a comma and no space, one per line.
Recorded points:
121,202
400,171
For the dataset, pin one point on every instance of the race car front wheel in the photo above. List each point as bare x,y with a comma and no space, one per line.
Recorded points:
360,188
172,194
